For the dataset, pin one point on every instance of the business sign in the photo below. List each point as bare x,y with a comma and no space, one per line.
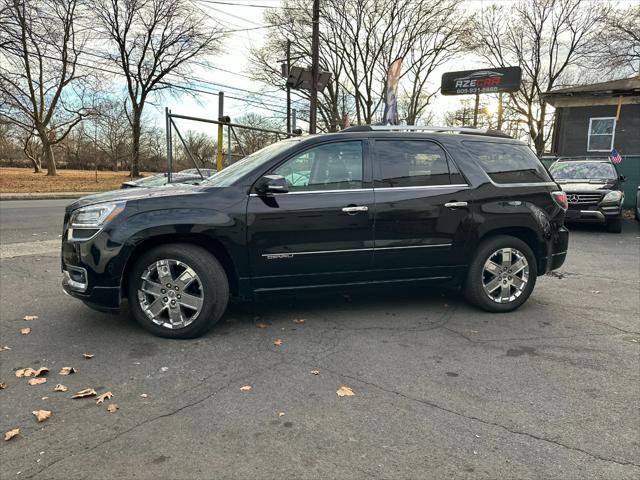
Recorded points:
488,80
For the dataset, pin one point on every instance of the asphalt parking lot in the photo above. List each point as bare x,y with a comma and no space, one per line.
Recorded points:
442,390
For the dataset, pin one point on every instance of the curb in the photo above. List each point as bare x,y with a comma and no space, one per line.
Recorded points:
44,195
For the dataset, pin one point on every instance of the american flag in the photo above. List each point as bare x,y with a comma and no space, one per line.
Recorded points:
615,157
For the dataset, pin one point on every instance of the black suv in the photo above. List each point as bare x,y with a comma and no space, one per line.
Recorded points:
367,205
593,188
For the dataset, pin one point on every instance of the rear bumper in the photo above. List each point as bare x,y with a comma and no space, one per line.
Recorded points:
556,250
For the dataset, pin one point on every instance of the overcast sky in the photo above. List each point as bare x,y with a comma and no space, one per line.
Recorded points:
232,65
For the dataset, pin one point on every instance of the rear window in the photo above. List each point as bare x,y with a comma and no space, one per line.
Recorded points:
413,163
508,163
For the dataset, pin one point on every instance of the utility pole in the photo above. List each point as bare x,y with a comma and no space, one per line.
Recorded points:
315,47
288,86
500,111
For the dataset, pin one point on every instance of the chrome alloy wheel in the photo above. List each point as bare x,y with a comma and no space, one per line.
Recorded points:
505,275
171,293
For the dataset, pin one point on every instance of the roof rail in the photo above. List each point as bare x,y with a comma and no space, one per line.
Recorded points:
426,128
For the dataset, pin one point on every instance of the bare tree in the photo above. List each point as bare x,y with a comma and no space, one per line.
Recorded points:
201,146
41,89
253,140
112,131
32,149
155,43
358,40
548,39
618,44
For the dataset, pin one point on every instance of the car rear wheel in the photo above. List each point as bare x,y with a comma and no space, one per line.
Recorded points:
178,291
502,274
614,226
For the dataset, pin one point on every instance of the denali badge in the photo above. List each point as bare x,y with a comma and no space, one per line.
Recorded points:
278,256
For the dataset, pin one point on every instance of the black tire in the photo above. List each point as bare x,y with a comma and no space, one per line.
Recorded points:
473,286
614,226
212,280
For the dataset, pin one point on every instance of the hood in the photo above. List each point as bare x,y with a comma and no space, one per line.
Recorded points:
587,186
134,194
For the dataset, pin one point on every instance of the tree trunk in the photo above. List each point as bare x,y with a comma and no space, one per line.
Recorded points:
135,148
50,160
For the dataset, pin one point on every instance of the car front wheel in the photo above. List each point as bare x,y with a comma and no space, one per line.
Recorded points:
177,291
502,274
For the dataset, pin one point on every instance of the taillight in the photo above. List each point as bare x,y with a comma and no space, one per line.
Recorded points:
561,199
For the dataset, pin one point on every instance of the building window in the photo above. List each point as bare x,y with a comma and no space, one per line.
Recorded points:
601,134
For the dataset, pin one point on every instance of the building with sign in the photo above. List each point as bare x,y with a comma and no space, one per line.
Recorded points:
591,120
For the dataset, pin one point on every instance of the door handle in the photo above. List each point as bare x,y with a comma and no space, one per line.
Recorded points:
354,210
455,204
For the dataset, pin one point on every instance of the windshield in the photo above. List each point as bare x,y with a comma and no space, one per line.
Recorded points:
232,173
582,170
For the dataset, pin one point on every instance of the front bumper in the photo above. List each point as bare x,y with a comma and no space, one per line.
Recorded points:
99,298
600,214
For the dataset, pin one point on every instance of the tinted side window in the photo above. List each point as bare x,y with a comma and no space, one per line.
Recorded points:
411,163
508,163
333,166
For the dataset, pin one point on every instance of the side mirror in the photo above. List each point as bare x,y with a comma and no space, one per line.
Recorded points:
271,184
622,178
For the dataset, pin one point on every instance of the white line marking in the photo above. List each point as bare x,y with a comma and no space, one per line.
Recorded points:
11,250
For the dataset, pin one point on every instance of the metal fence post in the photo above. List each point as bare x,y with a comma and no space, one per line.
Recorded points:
220,131
167,114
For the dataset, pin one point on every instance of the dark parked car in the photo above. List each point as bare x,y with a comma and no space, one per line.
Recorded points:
189,175
368,205
593,188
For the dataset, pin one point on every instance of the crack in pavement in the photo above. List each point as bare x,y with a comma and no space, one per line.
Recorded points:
486,422
524,339
163,415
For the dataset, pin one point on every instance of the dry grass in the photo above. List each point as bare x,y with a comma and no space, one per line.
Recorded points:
23,180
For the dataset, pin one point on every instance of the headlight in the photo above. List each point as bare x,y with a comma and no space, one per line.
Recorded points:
96,216
612,197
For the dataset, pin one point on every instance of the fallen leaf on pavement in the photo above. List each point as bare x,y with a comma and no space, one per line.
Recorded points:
41,415
277,342
6,347
3,385
245,388
67,371
101,398
30,317
60,388
30,372
298,321
144,395
10,434
344,392
315,372
281,414
87,392
37,381
45,398
88,355
112,407
25,331
262,325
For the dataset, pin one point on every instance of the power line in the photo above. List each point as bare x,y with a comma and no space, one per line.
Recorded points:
252,5
256,102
